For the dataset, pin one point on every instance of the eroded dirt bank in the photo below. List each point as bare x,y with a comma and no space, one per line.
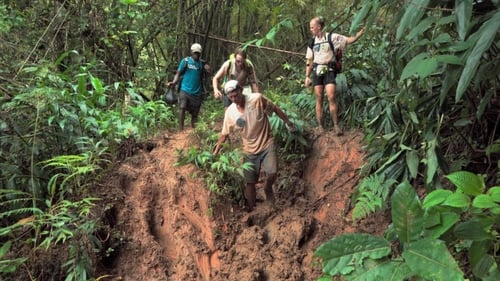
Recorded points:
162,212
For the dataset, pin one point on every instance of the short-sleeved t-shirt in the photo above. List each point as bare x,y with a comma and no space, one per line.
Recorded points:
321,52
191,82
256,132
245,76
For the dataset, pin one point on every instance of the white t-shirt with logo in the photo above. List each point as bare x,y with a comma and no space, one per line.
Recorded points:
321,52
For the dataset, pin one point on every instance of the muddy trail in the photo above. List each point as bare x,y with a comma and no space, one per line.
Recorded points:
164,225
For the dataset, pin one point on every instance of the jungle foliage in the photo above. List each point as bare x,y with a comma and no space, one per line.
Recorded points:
432,112
417,244
82,84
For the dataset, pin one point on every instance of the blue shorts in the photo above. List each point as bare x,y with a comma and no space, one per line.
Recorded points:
266,159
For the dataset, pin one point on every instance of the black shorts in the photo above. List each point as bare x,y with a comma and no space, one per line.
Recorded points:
191,103
326,78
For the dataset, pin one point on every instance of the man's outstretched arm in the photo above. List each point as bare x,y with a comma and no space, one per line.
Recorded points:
352,39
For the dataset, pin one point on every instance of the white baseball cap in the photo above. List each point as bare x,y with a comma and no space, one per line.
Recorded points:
196,48
230,86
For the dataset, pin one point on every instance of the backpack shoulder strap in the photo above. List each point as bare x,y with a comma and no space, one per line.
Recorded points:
228,71
310,43
330,42
186,61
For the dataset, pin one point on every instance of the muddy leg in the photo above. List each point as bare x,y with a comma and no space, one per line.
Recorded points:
318,90
330,91
268,188
250,195
194,119
182,115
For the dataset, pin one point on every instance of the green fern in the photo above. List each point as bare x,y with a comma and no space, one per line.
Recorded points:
15,205
223,174
371,196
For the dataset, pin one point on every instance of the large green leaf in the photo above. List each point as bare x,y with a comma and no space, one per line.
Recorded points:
467,182
421,65
386,270
464,13
477,250
436,197
449,59
413,13
412,162
494,192
484,201
391,160
487,34
342,253
431,160
486,268
421,27
361,15
443,38
407,213
458,46
431,260
447,221
475,229
457,200
449,81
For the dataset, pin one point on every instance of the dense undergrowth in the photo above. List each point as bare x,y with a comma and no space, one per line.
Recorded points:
422,85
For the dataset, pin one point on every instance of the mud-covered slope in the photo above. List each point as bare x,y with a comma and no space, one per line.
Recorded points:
161,212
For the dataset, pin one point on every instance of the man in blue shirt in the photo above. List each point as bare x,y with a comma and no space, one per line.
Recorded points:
190,75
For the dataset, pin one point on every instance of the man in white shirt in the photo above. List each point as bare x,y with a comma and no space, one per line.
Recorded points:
319,60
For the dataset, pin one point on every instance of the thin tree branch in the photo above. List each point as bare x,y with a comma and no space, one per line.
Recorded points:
255,46
39,39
